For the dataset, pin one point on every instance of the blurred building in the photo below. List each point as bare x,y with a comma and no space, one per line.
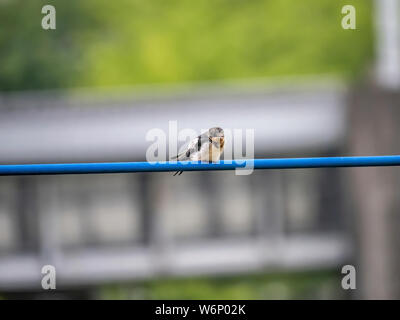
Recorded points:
116,227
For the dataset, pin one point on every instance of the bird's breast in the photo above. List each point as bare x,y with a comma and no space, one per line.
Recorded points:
214,152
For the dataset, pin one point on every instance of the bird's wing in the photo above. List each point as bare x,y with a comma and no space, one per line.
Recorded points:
193,147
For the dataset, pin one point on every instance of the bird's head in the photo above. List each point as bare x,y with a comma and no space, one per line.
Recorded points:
216,132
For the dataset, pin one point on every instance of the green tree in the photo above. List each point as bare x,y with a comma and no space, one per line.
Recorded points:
102,42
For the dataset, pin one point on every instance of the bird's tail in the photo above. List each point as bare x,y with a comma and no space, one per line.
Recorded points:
180,156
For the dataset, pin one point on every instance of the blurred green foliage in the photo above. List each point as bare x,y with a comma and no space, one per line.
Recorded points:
301,285
102,42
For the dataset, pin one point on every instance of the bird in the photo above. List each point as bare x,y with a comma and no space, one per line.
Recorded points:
206,147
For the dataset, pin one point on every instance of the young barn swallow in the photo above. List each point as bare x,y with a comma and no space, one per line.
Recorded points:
206,147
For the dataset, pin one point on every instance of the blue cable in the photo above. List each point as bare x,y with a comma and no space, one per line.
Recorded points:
125,167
